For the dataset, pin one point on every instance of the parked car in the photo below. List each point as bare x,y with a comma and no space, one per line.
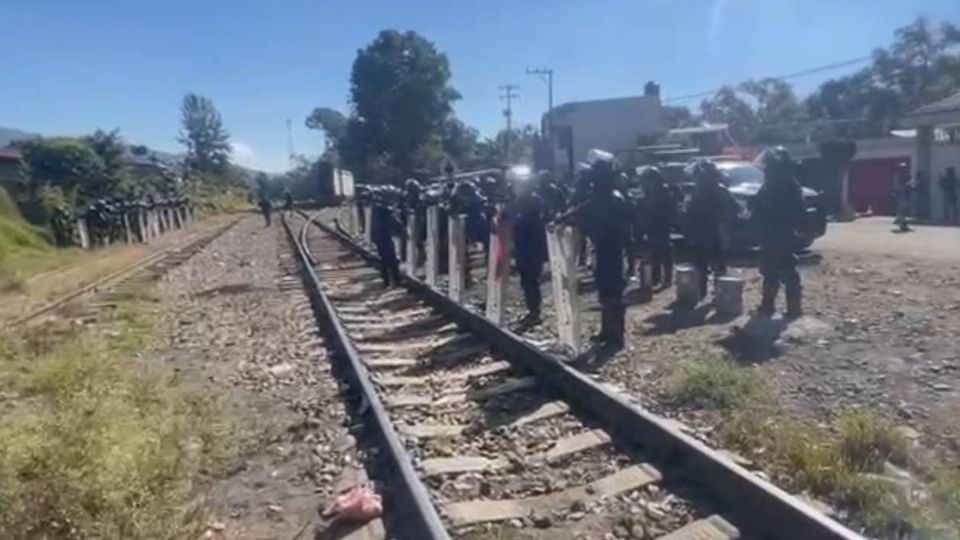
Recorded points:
743,179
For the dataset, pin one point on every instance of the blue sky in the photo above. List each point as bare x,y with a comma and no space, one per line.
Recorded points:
72,66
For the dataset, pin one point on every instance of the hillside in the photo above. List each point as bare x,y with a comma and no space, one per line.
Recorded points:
9,135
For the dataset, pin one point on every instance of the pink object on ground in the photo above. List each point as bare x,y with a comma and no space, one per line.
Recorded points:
358,505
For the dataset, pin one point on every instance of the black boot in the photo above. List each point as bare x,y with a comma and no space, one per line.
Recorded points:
604,326
769,299
794,302
617,322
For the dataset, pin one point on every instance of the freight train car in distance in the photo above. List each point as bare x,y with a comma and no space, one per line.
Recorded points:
333,184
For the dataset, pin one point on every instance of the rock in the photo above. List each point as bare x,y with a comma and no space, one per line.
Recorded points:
638,532
541,520
576,516
578,506
941,387
274,512
655,513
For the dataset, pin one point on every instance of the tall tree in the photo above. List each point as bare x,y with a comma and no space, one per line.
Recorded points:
400,92
70,165
922,65
112,151
521,147
729,108
207,141
777,111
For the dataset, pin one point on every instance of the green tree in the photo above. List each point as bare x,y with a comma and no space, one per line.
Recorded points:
203,134
777,111
400,93
922,64
729,108
333,124
68,164
110,147
521,144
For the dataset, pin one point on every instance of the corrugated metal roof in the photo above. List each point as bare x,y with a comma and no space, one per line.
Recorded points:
947,104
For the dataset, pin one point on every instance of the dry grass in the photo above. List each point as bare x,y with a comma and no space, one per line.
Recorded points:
95,443
843,463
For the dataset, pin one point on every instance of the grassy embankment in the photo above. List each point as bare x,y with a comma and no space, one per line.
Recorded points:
95,442
852,463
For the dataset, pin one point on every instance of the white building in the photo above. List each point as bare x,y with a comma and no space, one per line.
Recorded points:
607,124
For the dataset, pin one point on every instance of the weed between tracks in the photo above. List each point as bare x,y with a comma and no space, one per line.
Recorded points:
96,443
851,463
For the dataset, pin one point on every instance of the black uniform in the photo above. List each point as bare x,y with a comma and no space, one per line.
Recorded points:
530,249
658,213
382,228
778,212
710,209
266,209
606,219
948,185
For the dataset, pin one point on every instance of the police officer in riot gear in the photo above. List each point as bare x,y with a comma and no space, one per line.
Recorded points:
658,211
383,226
778,210
709,211
606,219
530,244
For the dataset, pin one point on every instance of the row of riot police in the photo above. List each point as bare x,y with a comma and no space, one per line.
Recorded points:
110,220
621,217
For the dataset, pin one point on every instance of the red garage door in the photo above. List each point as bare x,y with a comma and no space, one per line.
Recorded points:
872,183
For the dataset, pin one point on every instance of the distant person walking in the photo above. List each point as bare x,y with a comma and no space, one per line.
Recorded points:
266,208
904,196
948,185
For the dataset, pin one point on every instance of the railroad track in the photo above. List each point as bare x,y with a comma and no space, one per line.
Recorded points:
482,430
104,292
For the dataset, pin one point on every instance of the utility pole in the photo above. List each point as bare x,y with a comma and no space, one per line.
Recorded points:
508,94
291,156
547,75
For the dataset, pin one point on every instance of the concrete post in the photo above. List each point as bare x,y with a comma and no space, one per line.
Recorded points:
413,251
729,296
177,218
142,226
127,234
561,244
433,248
155,223
688,285
183,216
368,224
498,267
457,258
83,234
922,206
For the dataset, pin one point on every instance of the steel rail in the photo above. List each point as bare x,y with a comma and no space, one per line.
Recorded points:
128,270
760,508
424,521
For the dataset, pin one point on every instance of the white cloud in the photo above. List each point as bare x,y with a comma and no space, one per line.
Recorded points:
243,154
716,20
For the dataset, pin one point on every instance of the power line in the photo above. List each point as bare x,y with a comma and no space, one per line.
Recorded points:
811,71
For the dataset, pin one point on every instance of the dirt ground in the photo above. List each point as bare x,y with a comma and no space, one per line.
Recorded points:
881,330
242,328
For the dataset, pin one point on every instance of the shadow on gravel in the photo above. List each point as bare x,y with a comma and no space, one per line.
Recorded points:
228,289
679,317
757,341
594,358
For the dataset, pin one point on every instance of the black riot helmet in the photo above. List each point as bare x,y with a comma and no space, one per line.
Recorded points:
603,176
778,165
